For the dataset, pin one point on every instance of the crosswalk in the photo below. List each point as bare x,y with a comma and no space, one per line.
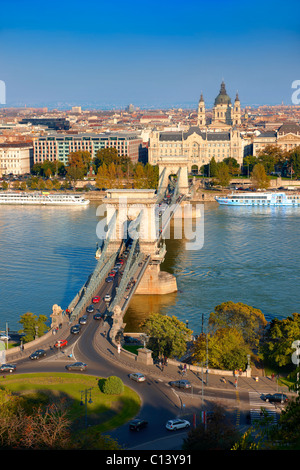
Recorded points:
256,405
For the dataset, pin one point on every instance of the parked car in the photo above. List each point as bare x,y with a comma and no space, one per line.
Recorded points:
180,384
61,343
7,368
76,366
174,424
75,329
98,316
37,354
90,309
137,377
96,299
137,424
83,320
276,397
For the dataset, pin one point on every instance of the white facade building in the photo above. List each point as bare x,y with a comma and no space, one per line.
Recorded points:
15,158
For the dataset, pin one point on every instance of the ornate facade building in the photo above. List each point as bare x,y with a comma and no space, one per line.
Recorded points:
286,137
220,138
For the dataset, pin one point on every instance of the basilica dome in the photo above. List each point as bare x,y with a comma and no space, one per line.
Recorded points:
222,97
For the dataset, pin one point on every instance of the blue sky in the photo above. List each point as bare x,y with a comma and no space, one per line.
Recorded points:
149,53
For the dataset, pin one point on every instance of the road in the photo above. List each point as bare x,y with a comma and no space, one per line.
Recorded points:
160,402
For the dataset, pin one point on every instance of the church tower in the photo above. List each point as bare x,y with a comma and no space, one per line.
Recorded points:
222,110
201,122
236,113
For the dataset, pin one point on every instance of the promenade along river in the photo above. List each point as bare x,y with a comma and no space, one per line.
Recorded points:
251,255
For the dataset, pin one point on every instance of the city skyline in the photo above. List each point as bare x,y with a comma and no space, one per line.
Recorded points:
150,54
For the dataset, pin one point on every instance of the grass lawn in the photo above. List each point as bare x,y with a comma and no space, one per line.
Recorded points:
104,413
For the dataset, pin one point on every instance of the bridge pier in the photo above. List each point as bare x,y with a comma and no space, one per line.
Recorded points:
156,282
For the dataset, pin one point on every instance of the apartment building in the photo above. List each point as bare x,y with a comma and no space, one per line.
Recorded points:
58,146
15,158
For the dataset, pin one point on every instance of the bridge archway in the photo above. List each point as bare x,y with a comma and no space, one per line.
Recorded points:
170,166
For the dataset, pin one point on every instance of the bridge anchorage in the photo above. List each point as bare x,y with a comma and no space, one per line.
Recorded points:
134,230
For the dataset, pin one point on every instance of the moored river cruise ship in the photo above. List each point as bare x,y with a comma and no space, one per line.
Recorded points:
260,199
42,198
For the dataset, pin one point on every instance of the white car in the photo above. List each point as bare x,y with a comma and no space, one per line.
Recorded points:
177,423
107,298
4,337
137,377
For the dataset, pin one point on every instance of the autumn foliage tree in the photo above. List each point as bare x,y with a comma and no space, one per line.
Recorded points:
259,177
78,165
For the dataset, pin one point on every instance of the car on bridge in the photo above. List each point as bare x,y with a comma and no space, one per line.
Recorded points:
37,354
83,320
112,274
96,299
76,366
174,424
107,298
109,279
7,368
90,309
98,316
61,343
75,329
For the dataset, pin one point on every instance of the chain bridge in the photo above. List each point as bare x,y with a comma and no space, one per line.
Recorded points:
133,248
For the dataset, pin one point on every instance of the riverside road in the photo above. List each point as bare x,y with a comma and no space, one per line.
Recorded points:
160,401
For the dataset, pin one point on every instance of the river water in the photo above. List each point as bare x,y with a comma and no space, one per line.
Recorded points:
249,255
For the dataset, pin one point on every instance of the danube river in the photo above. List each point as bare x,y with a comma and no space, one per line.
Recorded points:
250,255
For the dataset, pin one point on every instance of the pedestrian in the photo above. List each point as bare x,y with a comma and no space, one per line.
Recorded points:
235,383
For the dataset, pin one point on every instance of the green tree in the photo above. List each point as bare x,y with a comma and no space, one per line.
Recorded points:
260,179
36,169
287,434
106,157
233,166
225,349
4,185
168,336
102,177
41,184
33,326
78,165
218,434
294,162
213,168
140,180
223,175
248,321
152,175
281,334
248,164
